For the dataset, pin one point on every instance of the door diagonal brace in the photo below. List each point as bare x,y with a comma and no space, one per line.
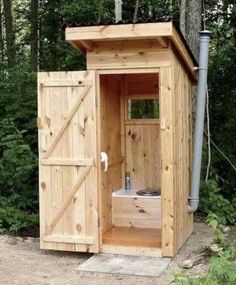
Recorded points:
66,122
67,201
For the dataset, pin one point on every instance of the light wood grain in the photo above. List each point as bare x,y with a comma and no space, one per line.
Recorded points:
67,201
143,155
183,149
167,163
134,251
66,121
128,59
60,172
67,162
90,151
111,32
110,143
133,237
136,212
63,83
69,239
130,45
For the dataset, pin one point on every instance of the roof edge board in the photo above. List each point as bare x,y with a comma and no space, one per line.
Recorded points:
125,31
76,45
184,53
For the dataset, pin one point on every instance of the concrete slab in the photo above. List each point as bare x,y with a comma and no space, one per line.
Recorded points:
124,264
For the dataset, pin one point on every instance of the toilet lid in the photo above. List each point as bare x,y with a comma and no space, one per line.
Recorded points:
149,192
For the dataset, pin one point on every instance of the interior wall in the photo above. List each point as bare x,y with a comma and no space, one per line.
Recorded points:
110,91
143,155
142,136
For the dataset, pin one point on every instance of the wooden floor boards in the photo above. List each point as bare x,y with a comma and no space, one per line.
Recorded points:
135,237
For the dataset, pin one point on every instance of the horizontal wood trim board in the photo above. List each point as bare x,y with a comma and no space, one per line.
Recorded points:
131,69
128,250
68,161
114,60
126,46
131,65
142,122
69,239
142,96
64,83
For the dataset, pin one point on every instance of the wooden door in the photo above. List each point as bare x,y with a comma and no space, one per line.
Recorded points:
68,161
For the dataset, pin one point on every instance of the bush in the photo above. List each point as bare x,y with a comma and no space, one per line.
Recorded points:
211,200
17,161
14,220
18,165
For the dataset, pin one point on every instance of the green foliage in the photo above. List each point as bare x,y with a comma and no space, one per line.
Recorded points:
17,162
213,201
223,271
224,267
18,101
143,109
222,96
18,200
215,222
18,149
13,214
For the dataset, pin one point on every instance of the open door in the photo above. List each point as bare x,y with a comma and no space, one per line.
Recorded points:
68,161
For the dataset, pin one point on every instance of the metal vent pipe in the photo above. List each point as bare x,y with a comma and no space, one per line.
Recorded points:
199,121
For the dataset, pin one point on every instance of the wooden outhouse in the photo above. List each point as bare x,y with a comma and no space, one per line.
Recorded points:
134,104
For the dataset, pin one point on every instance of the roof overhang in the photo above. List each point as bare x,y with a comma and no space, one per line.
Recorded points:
83,38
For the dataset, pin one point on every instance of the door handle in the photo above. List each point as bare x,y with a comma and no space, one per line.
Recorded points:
104,159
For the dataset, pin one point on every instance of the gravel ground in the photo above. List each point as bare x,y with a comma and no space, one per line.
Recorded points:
23,263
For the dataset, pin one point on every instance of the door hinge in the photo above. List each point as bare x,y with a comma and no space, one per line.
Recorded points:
98,222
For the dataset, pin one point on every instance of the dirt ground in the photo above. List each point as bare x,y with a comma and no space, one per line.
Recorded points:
22,262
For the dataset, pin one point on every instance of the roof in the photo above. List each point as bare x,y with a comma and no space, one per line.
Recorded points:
83,36
121,22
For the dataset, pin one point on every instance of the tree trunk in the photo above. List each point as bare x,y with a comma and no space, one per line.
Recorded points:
233,22
34,34
193,24
118,10
135,17
183,16
100,11
1,35
10,33
40,38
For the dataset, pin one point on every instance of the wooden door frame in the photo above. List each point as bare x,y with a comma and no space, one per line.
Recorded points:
97,80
